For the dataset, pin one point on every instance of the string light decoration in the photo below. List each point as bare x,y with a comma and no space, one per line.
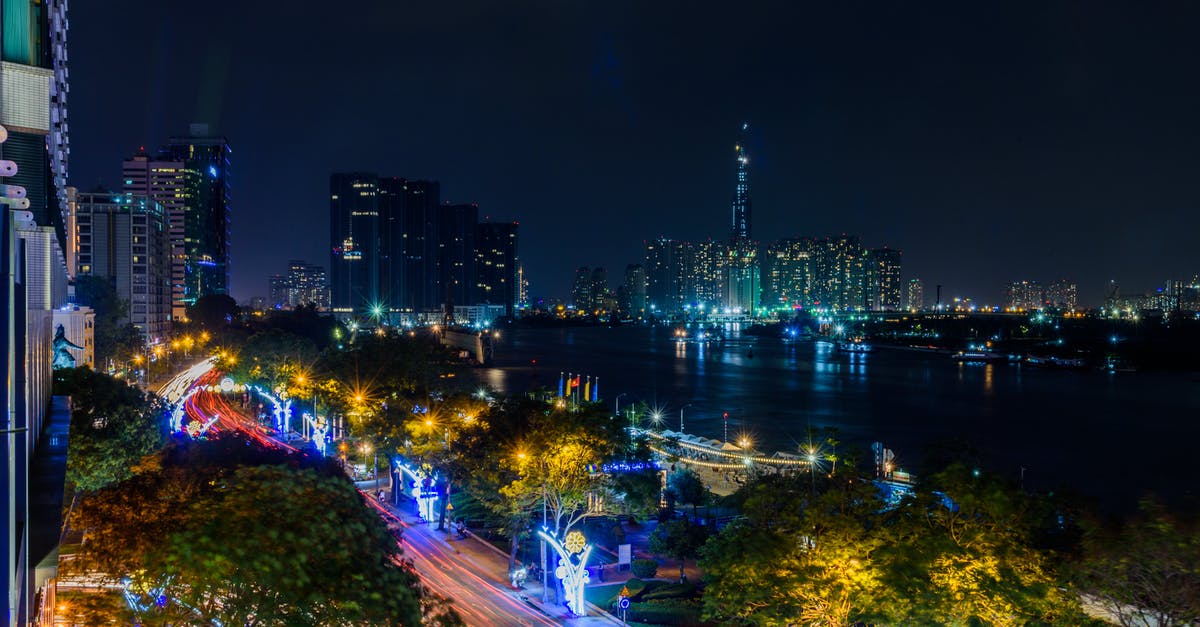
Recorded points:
573,554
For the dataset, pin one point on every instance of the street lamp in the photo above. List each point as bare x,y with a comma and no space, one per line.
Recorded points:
617,409
681,416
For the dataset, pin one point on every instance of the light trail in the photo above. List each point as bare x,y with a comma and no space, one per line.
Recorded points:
479,600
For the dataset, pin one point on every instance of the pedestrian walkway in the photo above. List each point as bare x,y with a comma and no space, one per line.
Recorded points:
489,562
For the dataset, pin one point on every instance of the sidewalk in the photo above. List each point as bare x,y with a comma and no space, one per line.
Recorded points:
490,562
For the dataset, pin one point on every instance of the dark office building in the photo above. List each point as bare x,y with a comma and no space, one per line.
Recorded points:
421,288
356,234
206,223
456,254
496,264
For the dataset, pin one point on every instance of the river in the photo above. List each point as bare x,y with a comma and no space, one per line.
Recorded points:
1111,437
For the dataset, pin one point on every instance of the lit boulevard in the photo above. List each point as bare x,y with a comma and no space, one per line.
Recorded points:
479,595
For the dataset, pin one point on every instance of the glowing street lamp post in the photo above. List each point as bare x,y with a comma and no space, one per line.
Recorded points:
681,416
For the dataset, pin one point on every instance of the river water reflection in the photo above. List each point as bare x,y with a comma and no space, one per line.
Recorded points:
1110,436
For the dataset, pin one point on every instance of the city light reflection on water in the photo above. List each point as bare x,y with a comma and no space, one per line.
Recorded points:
1052,422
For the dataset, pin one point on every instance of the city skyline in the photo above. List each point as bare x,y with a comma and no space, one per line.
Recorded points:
961,136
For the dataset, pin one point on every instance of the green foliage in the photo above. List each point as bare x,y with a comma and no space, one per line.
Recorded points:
240,539
644,568
838,558
273,358
670,591
679,539
213,312
666,612
686,487
635,586
1147,570
112,336
113,427
637,492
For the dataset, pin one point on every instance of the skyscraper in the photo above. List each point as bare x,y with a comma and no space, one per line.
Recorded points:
33,114
740,227
600,291
496,263
914,295
206,225
665,266
1062,294
306,285
581,289
1024,295
356,232
456,252
124,238
176,187
635,289
419,243
789,274
883,279
33,80
278,289
744,275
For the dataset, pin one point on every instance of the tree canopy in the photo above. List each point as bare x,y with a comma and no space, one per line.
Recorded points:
840,556
113,427
231,533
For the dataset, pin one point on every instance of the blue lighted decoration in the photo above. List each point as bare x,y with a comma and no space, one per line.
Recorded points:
212,170
320,431
573,554
422,484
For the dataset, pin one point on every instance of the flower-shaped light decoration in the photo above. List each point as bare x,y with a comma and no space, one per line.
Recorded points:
575,542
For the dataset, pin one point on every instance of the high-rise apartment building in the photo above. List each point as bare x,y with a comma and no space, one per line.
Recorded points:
914,295
178,188
278,288
496,263
883,279
599,290
665,266
789,276
840,271
125,239
635,290
581,289
306,285
1024,295
706,278
207,218
1062,294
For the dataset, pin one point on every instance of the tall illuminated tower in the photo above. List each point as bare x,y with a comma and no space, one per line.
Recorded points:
741,194
742,285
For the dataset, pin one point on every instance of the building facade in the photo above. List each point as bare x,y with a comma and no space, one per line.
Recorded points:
883,279
1024,295
178,188
125,239
914,295
496,263
306,285
207,219
635,291
1062,294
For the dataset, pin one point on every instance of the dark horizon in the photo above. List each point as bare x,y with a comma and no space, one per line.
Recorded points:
990,144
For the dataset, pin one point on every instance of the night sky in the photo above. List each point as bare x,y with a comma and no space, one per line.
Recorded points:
990,143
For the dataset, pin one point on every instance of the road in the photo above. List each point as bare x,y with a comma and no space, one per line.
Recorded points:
479,595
